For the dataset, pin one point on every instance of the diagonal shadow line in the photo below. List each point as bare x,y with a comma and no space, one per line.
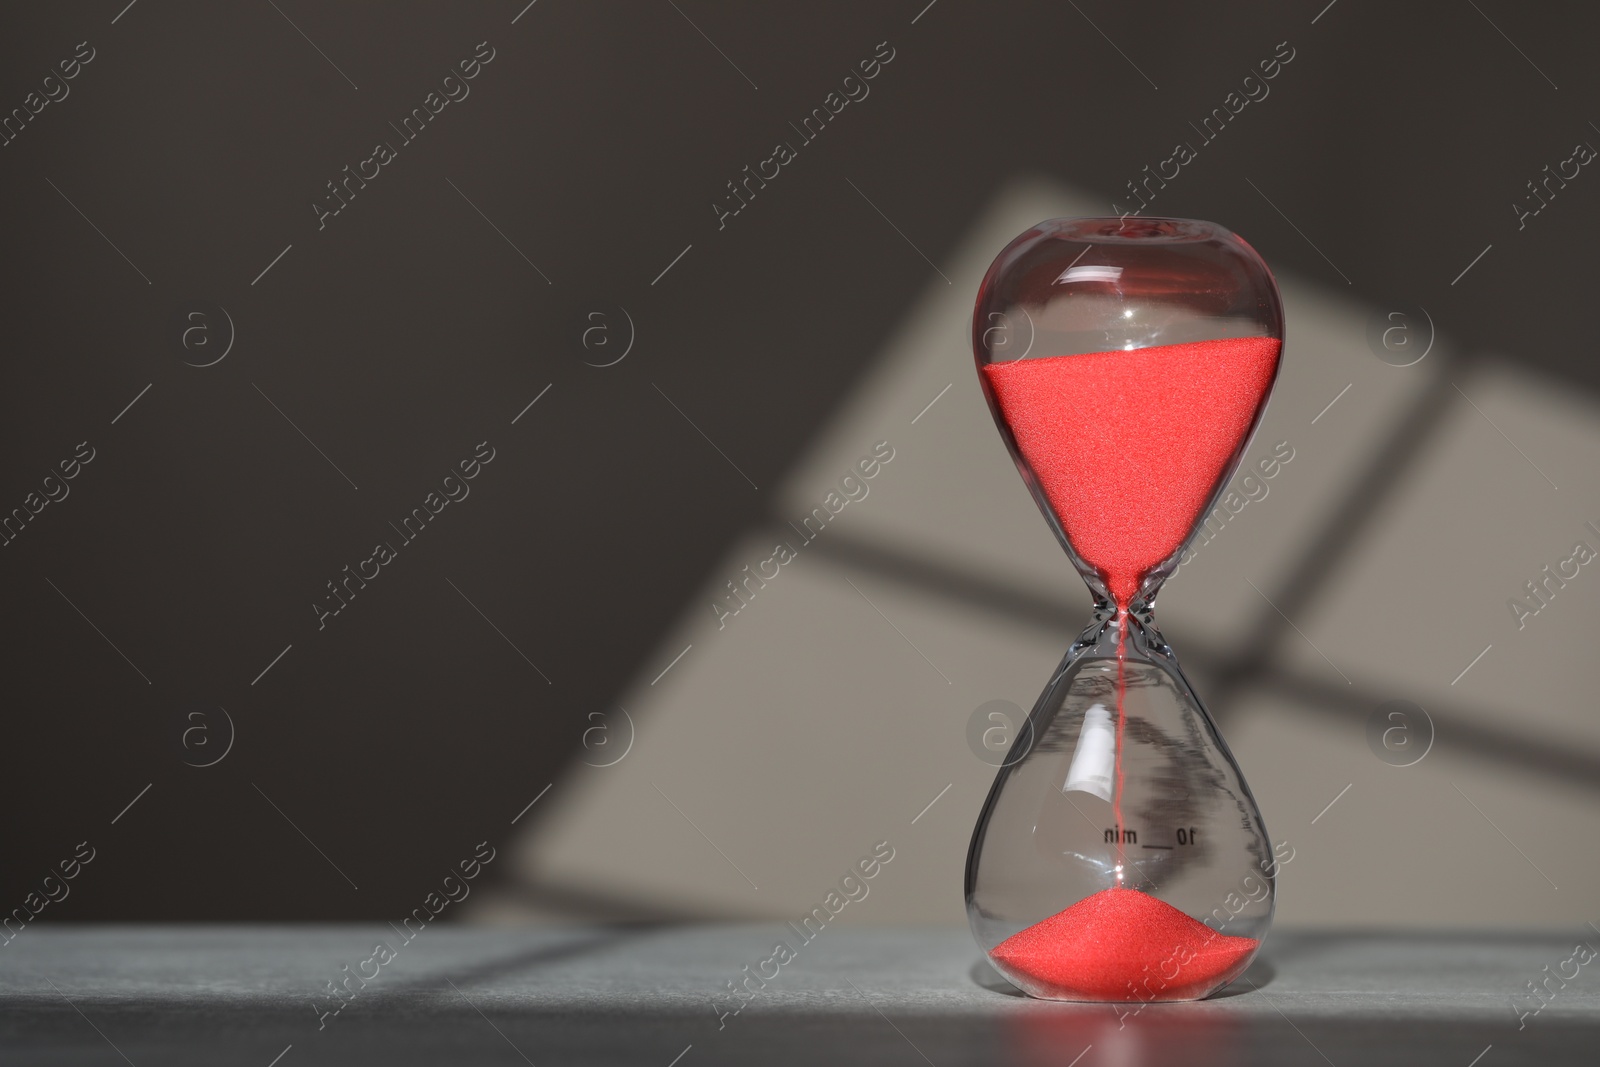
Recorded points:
389,988
1323,557
512,963
593,903
405,984
1011,601
1456,726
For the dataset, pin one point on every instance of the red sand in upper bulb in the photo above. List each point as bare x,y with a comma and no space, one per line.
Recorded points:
1129,445
1121,944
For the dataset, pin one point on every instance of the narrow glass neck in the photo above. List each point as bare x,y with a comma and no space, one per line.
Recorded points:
1133,628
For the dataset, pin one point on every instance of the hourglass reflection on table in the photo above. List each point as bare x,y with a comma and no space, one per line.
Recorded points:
1120,855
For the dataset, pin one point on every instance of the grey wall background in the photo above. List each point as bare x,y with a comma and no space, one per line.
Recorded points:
579,176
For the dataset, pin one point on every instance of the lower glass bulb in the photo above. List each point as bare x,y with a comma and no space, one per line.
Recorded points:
1120,855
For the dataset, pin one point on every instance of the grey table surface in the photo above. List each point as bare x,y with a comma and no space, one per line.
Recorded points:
255,995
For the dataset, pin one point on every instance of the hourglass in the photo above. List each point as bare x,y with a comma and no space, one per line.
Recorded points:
1120,855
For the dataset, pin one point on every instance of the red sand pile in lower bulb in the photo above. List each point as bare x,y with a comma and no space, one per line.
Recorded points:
1128,446
1121,944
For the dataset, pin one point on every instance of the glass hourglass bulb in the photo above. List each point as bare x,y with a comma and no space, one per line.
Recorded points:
1120,855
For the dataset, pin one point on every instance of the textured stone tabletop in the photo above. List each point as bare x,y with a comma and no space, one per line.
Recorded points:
257,995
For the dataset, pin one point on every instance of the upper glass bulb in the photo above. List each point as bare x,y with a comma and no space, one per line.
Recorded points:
1174,328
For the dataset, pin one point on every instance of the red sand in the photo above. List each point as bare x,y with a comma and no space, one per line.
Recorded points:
1128,446
1121,944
